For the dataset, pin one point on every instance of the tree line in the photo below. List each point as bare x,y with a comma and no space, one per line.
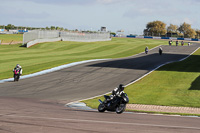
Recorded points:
159,28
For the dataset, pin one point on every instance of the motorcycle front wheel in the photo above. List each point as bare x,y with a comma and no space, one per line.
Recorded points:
121,108
15,78
101,108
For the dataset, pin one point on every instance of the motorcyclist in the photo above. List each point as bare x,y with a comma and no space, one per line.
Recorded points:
160,50
170,42
18,68
177,43
146,50
116,92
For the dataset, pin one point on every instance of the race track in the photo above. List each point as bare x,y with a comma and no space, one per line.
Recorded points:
36,104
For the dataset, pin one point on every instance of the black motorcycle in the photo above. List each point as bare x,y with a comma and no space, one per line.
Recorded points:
16,75
117,104
160,51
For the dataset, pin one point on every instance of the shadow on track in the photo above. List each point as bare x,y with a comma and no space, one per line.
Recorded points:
151,61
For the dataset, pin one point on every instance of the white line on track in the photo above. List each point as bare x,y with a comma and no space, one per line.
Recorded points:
104,122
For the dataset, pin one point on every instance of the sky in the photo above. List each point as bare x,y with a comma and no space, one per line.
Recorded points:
128,15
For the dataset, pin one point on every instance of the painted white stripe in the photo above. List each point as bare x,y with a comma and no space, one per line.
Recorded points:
103,122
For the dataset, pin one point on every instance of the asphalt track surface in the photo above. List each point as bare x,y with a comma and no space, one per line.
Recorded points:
36,104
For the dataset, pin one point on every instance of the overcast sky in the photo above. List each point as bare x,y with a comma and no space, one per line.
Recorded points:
129,15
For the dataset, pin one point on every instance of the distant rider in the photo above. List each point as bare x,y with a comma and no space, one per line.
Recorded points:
177,43
160,50
18,68
170,42
182,43
146,50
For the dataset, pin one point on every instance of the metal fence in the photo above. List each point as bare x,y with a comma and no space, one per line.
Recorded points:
65,36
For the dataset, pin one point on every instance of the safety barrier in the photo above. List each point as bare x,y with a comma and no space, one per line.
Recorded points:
39,36
171,38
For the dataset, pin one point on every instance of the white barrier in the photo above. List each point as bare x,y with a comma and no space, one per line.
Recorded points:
173,38
156,37
187,39
31,43
38,36
139,37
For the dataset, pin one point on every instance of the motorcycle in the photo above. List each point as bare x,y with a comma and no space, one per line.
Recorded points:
117,104
16,75
146,51
160,51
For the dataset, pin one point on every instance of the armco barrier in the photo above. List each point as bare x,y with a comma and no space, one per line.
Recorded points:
180,38
173,38
156,37
187,39
195,39
139,37
131,36
150,37
167,38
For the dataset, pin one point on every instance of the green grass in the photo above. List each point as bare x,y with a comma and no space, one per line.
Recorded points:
47,55
176,84
7,38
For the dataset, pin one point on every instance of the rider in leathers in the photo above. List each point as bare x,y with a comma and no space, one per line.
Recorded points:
116,92
18,67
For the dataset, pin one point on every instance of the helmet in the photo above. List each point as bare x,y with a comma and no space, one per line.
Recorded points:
121,87
18,66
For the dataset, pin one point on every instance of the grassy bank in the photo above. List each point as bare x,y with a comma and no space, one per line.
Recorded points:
7,38
176,84
47,55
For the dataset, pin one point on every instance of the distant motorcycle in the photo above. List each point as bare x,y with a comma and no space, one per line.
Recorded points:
117,104
146,50
160,51
16,75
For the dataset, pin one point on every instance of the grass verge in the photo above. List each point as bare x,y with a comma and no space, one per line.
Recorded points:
7,38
